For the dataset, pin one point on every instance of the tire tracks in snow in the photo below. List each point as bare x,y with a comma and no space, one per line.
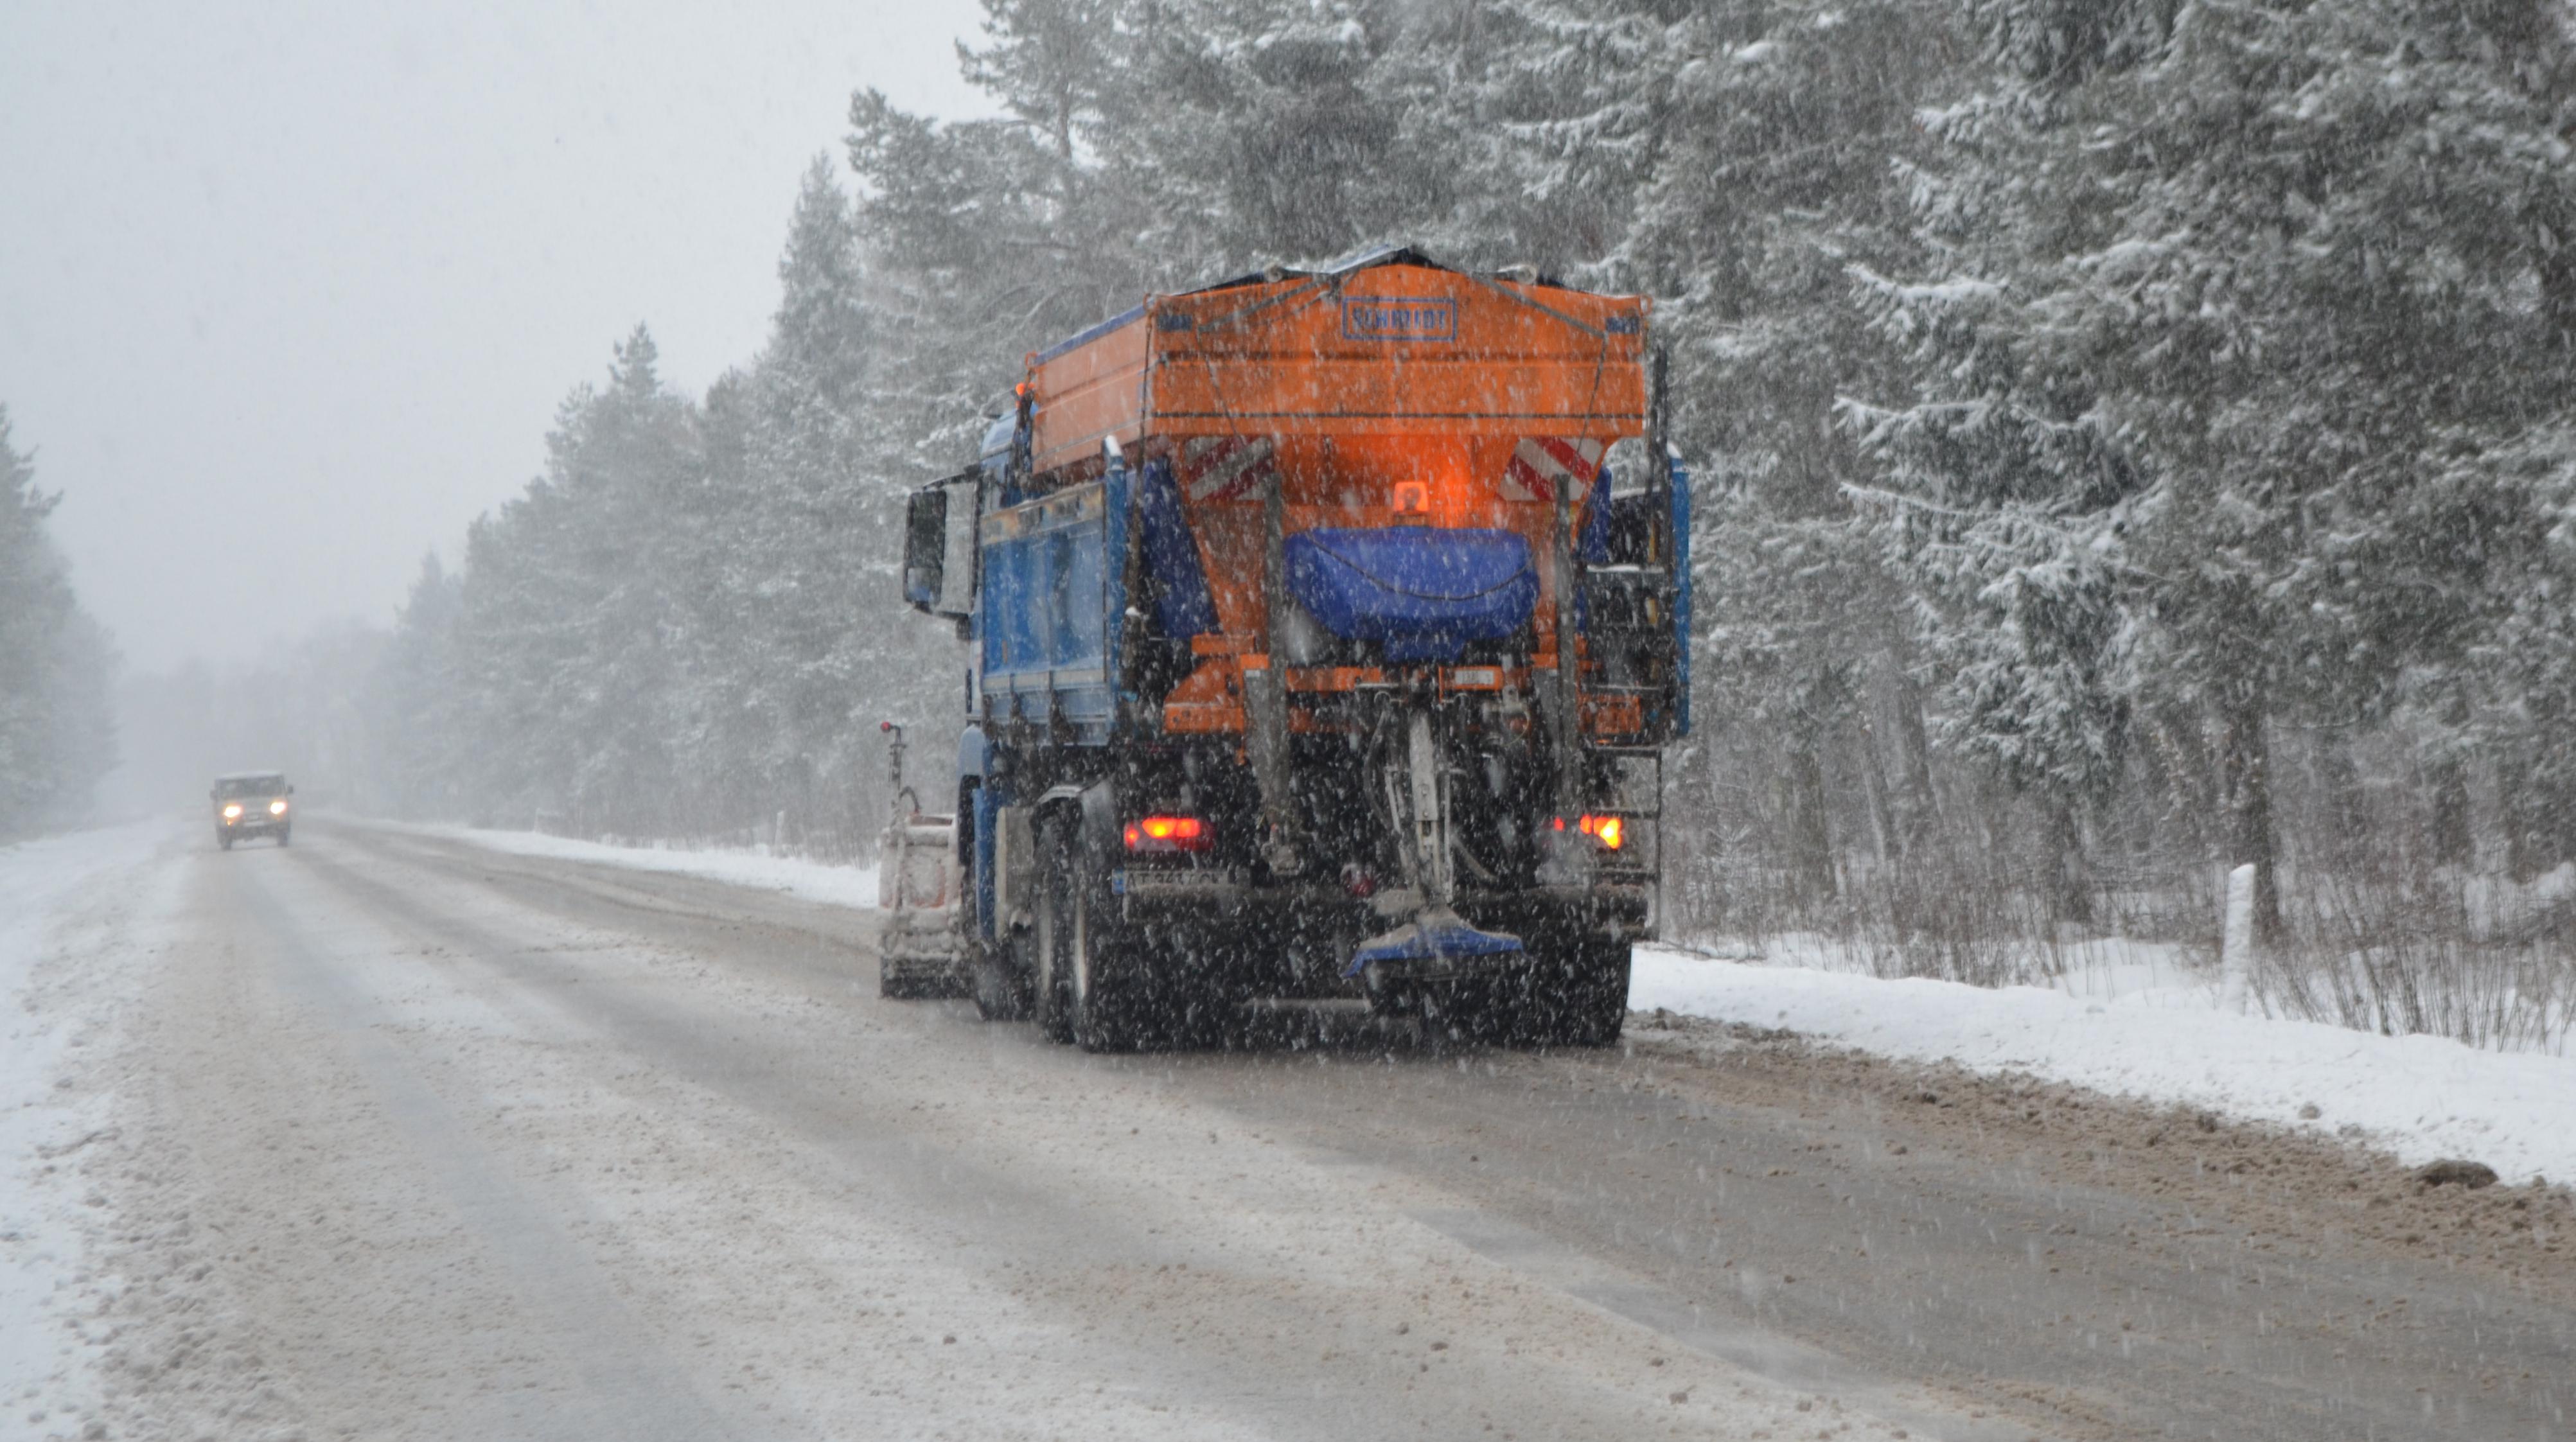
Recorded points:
1106,1249
627,1390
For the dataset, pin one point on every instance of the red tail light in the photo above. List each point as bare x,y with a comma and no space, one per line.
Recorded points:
1167,833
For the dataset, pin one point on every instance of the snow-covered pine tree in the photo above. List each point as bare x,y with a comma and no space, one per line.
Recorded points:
1742,157
1253,131
415,696
824,647
57,724
1050,63
2519,660
2274,251
1568,110
517,651
570,627
1000,231
2001,506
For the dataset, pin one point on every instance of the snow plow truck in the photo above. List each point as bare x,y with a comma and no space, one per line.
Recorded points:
1327,628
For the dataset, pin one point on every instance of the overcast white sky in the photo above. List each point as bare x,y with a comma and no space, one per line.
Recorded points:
289,292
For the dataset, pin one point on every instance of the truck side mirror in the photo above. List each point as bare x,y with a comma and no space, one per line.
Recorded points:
957,558
939,547
925,547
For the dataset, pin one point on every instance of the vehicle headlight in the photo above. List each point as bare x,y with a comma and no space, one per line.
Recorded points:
278,808
233,812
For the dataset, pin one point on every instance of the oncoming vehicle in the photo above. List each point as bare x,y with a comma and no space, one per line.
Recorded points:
252,803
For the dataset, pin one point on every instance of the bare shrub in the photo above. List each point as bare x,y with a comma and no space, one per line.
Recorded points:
1928,921
2437,954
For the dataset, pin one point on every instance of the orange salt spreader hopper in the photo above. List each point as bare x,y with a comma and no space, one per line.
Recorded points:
1388,392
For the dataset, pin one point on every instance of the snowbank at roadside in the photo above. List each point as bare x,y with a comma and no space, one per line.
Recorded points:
2418,1097
43,883
819,881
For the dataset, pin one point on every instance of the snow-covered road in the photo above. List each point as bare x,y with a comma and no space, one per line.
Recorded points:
393,1137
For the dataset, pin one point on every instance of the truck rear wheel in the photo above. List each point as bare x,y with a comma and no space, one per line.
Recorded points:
1093,988
1001,988
1187,983
1106,980
1104,1002
1052,937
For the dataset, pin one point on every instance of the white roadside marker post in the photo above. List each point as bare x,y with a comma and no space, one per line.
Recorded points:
2236,947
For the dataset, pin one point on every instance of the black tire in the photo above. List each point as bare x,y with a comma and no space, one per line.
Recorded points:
1094,982
1001,987
282,834
1187,987
224,839
1107,974
1051,937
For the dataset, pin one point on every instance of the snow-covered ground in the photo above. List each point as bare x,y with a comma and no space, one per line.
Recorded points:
91,935
77,930
2138,1023
814,880
55,896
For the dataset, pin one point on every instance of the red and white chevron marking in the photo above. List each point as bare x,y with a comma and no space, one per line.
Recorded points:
1542,463
1224,468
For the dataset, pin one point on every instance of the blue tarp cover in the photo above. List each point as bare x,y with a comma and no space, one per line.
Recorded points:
1421,591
